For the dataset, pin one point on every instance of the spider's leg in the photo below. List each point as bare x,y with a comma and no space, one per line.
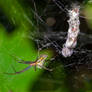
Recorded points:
45,68
22,61
25,62
19,60
19,71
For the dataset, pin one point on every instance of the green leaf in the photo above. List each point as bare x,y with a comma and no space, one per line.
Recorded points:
16,44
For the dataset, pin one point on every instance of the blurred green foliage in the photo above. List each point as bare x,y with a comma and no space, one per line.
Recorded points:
88,13
18,45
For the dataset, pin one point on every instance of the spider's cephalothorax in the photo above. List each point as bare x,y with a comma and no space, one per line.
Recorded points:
73,31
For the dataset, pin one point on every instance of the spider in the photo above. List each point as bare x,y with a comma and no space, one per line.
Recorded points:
38,63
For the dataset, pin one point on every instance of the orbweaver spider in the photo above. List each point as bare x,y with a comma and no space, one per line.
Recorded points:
37,63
